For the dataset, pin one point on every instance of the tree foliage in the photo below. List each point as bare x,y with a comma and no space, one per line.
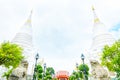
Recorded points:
81,72
10,57
72,77
75,75
111,57
84,71
50,70
47,75
10,54
84,68
39,72
7,74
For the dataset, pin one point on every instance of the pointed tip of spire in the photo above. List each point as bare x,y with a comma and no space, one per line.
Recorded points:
29,18
31,11
96,19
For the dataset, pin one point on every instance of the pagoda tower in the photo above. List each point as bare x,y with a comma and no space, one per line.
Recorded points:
101,37
24,39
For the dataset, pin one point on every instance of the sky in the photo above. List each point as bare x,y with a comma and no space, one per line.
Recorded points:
62,29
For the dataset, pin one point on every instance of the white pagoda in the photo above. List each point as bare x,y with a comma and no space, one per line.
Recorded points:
24,39
101,37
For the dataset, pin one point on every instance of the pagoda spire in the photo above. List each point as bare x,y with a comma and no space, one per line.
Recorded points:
96,19
24,38
101,37
27,25
28,21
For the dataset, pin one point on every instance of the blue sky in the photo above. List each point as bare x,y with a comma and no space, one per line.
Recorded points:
116,27
115,30
62,29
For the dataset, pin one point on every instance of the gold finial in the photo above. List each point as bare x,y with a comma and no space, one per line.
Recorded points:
29,18
93,8
96,19
28,21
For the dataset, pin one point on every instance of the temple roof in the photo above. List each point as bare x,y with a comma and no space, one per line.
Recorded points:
62,74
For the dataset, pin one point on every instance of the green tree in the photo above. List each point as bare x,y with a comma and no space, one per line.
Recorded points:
50,70
74,75
49,73
83,71
111,58
39,72
7,74
10,56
